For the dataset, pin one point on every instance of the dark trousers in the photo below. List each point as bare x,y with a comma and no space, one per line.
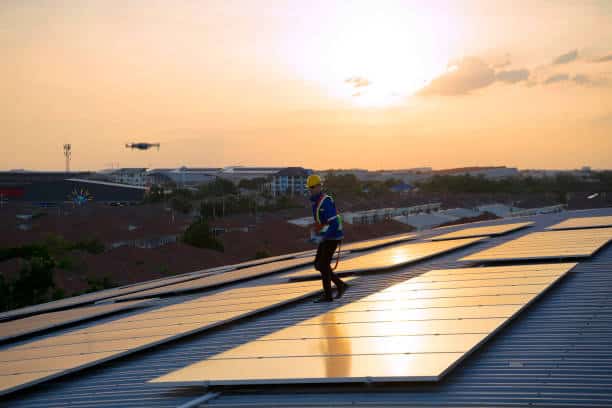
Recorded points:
322,263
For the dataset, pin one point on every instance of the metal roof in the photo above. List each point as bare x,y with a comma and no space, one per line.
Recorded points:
558,352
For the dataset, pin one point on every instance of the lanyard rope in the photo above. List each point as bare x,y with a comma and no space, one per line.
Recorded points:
338,256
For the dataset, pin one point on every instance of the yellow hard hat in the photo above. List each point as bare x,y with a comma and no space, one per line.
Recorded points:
313,180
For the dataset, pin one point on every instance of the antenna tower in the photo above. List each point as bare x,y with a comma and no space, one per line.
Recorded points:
67,155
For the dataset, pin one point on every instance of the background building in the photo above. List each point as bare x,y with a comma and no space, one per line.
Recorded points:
52,187
182,176
290,181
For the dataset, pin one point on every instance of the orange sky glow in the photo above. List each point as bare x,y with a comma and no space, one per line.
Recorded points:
319,84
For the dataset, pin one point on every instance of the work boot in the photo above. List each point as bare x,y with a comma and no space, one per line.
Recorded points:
322,299
341,290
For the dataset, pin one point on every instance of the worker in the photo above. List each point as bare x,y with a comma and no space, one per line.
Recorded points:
327,235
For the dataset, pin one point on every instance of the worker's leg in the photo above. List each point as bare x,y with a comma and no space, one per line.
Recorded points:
332,248
325,251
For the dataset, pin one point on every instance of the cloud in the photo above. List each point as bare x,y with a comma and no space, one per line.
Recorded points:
556,78
566,58
467,75
512,76
358,82
578,79
607,58
582,80
587,80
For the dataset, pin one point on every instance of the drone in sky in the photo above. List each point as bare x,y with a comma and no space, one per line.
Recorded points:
142,146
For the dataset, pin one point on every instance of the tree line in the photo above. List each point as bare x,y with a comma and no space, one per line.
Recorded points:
34,282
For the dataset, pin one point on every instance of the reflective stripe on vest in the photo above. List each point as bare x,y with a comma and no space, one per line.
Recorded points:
324,227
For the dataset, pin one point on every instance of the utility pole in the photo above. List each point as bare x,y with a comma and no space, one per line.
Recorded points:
67,155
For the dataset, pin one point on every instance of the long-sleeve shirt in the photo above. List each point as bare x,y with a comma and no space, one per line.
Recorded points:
327,217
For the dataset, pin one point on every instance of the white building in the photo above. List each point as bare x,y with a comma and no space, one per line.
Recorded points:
382,214
237,173
182,176
425,221
133,176
290,181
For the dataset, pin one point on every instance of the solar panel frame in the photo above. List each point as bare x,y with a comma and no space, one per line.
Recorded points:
239,367
491,231
101,296
360,246
546,245
582,223
12,329
344,270
106,295
218,280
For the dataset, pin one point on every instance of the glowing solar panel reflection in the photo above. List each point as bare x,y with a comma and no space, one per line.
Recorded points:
578,243
374,243
583,222
221,279
491,230
355,344
29,363
389,258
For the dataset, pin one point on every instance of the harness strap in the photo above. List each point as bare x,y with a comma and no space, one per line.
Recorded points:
338,257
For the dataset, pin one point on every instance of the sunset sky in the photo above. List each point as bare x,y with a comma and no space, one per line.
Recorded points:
320,84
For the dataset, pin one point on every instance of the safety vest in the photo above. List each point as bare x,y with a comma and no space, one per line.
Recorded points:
322,228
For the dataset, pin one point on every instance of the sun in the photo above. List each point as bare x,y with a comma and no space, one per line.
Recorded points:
376,56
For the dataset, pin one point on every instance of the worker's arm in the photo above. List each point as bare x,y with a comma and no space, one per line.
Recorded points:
331,218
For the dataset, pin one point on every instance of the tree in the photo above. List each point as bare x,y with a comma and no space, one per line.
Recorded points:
155,195
262,253
34,283
342,183
198,235
4,294
218,188
181,204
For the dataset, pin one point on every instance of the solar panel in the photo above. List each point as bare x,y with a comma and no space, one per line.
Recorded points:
547,245
271,259
388,258
375,243
421,343
583,222
37,361
102,295
45,321
106,294
220,279
492,230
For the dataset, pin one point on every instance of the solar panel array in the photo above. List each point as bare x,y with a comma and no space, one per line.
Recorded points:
45,321
375,243
417,330
547,245
115,292
492,230
271,259
40,360
583,222
220,279
388,258
103,295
